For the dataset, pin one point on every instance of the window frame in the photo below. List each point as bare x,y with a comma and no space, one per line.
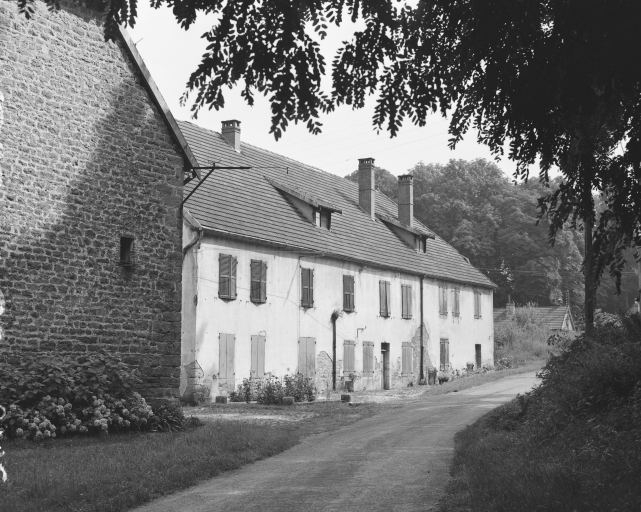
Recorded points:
407,292
384,298
368,357
349,355
444,342
456,302
258,287
230,278
442,300
349,305
307,292
126,258
477,305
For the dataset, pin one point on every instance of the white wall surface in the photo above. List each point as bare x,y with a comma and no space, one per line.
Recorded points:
283,321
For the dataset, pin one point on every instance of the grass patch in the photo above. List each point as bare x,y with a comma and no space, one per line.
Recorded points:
122,471
476,379
523,337
574,443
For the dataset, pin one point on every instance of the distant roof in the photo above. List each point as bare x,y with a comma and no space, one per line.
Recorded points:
247,203
554,317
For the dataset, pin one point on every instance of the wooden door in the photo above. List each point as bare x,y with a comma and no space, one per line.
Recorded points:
307,357
226,375
386,365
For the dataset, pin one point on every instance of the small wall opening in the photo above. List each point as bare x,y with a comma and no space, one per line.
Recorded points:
126,251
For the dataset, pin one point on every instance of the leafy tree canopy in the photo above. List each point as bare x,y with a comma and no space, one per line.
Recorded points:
558,81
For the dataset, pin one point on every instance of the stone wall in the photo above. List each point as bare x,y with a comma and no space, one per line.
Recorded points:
86,158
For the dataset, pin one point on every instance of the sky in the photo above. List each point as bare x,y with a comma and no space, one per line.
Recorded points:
172,53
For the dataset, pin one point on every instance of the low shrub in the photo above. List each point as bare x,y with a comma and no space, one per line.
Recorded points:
300,387
570,444
271,390
52,395
167,417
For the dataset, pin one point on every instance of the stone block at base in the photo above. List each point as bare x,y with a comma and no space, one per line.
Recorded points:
346,398
221,399
288,400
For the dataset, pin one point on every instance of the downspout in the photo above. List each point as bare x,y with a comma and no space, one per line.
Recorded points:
421,378
193,242
333,319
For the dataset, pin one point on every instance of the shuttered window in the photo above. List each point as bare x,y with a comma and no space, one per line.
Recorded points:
227,276
258,291
348,293
307,357
384,298
477,304
445,354
348,356
406,301
258,356
307,287
442,300
368,357
406,358
456,307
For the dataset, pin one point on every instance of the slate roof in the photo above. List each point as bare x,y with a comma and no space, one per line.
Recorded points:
551,316
245,203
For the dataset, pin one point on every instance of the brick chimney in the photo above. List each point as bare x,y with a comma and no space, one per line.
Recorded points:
366,190
231,133
406,200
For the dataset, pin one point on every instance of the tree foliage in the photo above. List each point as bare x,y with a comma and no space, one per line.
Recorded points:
493,222
554,81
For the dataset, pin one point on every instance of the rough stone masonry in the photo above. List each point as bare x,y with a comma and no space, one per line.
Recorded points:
87,164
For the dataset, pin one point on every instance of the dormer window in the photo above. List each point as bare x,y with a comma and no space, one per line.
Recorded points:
421,243
315,210
322,218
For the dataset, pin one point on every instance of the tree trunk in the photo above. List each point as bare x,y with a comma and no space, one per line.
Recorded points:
588,262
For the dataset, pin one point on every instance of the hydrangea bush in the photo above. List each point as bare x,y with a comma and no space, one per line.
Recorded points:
55,395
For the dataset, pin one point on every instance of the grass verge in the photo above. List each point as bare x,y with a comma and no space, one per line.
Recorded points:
571,444
122,471
476,379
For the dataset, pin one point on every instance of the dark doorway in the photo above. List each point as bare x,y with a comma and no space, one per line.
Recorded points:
477,349
385,357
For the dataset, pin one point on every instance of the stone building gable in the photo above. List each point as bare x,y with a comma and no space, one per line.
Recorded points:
86,159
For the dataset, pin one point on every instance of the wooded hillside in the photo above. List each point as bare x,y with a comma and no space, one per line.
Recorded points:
493,221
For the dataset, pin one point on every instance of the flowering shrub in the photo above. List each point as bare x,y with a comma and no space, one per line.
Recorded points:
54,395
300,387
271,390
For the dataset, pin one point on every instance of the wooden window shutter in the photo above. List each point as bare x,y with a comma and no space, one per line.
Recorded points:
368,357
406,301
258,356
233,263
383,291
348,356
442,300
388,305
477,304
348,293
254,271
258,291
224,276
307,357
263,281
406,358
307,287
445,354
456,307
